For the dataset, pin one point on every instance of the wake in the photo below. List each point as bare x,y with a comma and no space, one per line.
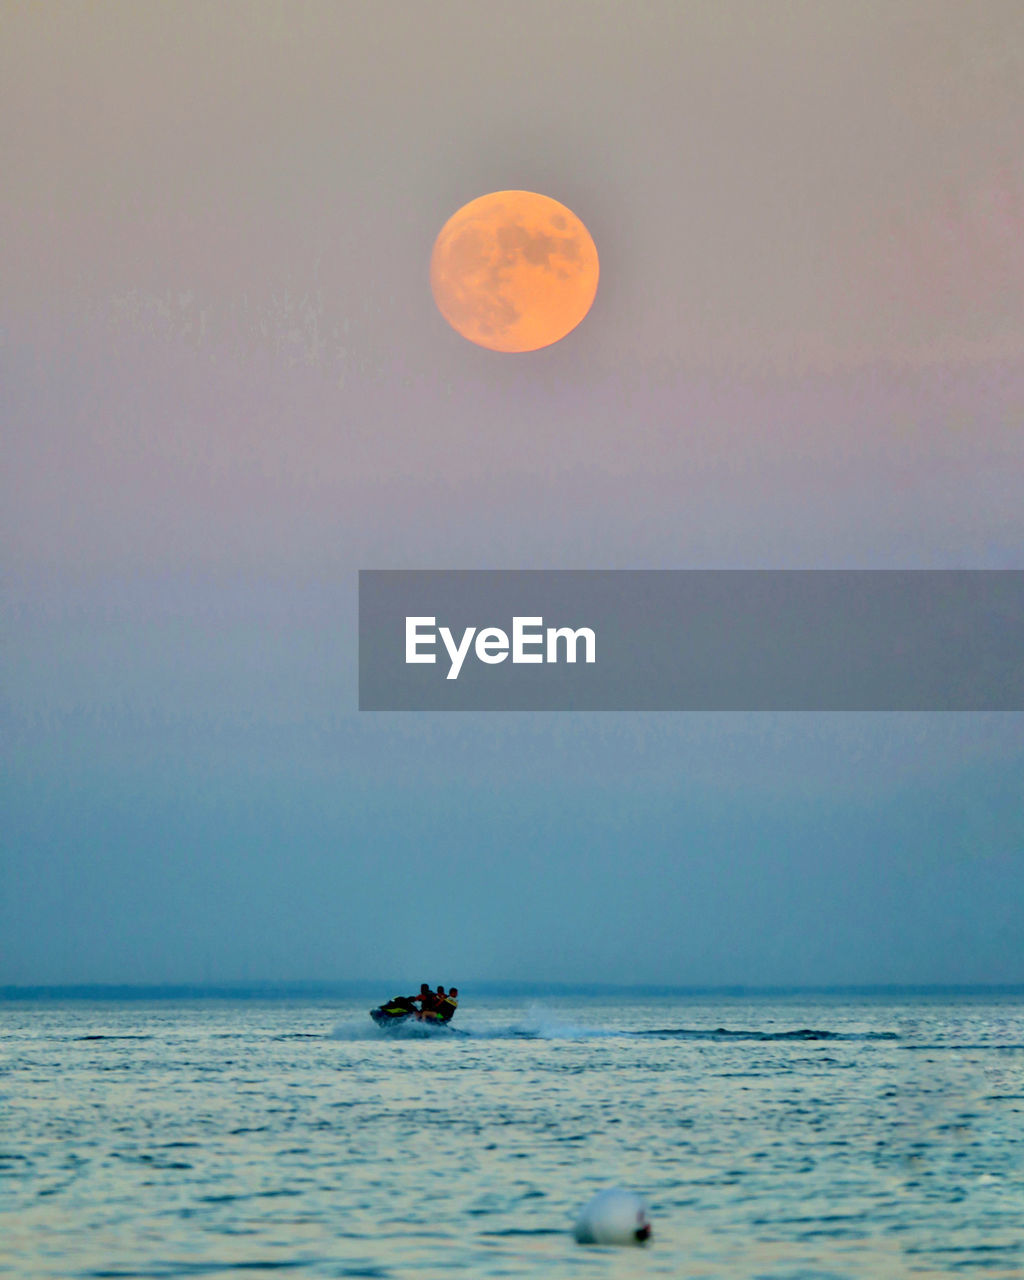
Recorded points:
542,1026
804,1033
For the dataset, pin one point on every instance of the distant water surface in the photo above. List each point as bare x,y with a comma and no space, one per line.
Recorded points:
776,1137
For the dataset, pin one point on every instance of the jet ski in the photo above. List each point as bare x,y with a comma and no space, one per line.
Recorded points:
401,1012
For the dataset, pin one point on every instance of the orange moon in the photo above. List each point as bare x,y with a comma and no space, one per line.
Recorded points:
514,271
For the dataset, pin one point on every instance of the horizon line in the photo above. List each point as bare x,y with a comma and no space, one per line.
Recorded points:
290,988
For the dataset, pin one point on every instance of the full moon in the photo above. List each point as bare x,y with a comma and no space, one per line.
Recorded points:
514,271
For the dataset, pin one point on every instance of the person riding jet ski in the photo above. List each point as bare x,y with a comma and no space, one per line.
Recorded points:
447,1004
433,1004
428,1000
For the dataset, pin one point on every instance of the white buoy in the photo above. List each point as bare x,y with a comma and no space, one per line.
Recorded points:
613,1217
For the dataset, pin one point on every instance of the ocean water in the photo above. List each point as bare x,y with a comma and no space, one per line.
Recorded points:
773,1137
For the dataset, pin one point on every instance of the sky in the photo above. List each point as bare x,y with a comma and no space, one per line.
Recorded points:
226,388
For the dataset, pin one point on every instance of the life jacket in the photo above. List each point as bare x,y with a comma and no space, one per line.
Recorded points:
447,1008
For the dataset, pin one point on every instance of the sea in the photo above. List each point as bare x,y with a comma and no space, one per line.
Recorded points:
776,1137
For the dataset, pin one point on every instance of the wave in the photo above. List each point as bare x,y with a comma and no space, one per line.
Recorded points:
98,1036
804,1033
540,1025
403,1031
